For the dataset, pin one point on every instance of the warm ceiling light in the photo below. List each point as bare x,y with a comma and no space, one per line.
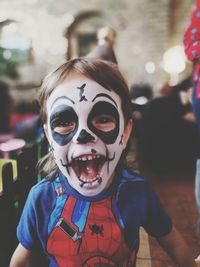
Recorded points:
174,60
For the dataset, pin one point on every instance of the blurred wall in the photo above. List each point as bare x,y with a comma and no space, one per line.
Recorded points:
146,29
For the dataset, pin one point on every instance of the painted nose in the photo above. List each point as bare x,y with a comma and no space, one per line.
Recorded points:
85,137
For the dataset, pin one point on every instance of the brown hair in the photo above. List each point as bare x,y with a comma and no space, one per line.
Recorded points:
104,73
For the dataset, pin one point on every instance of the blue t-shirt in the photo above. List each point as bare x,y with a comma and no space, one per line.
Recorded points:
133,205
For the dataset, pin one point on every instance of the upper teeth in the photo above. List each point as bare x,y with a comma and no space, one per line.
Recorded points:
89,157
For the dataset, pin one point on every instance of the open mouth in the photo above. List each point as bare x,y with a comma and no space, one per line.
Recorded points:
88,168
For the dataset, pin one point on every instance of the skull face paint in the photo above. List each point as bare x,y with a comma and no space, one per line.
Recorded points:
85,127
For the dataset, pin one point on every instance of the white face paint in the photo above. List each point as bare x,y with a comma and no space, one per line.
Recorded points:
85,127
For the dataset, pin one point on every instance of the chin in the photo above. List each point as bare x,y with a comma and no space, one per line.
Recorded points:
89,189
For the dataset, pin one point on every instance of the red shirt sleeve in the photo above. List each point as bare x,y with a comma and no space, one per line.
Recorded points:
192,34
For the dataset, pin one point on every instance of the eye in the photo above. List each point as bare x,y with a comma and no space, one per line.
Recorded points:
104,122
64,128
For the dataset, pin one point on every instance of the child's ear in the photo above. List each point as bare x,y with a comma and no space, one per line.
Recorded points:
46,131
127,131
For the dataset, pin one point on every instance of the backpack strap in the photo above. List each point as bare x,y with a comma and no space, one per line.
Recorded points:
61,197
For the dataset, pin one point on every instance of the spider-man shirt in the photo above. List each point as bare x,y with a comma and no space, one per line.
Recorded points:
192,50
77,231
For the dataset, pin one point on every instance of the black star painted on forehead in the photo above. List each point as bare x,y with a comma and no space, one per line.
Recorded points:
82,97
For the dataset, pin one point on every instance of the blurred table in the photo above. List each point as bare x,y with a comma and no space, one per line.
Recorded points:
11,148
6,137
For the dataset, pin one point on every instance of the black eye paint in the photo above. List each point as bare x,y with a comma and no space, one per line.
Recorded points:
121,140
61,115
104,108
85,137
104,95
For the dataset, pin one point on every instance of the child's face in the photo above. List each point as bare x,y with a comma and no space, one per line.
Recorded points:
85,128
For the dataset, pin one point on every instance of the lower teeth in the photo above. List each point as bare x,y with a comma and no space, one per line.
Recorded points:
89,182
99,180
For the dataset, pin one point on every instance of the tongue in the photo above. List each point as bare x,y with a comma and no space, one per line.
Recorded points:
89,171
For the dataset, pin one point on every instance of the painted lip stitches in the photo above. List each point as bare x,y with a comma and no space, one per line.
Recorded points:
90,165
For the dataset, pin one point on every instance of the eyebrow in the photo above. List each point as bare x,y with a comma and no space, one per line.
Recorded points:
104,95
62,97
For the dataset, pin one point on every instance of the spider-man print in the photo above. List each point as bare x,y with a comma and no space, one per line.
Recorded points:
98,231
89,235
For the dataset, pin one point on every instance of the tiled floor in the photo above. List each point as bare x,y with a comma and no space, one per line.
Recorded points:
144,253
177,194
176,191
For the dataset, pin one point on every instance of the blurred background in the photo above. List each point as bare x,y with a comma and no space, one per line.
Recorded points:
36,36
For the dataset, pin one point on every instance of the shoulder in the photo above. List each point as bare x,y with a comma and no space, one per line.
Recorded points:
133,186
132,179
40,201
34,219
139,205
44,185
43,192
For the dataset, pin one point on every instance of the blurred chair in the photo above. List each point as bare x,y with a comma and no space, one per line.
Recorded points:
3,163
8,215
18,176
26,168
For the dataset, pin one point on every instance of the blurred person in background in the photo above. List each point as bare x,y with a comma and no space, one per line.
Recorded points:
104,49
192,49
5,102
25,121
141,93
167,129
